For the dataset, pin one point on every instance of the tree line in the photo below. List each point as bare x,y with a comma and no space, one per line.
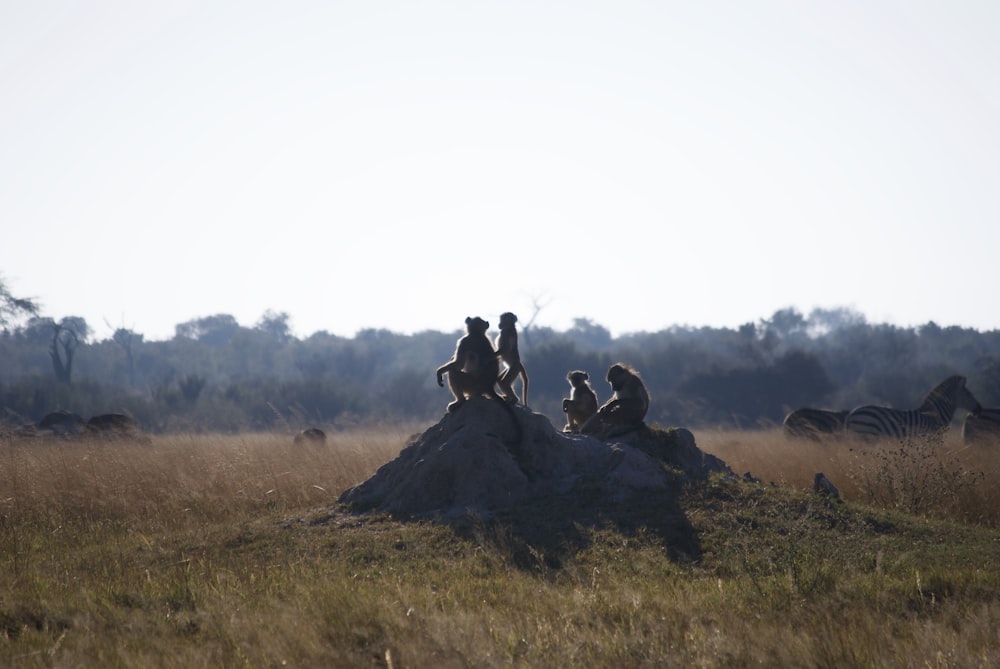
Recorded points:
217,375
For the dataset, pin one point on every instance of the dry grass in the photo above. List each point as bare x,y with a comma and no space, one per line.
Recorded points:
208,550
946,480
181,479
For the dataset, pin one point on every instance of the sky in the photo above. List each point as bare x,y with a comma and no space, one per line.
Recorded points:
403,165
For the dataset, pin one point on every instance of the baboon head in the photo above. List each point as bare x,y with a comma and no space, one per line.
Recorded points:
507,320
475,325
618,374
577,378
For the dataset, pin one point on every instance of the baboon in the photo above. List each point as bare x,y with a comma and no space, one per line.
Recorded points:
312,435
509,355
110,424
627,407
824,486
62,423
474,369
581,403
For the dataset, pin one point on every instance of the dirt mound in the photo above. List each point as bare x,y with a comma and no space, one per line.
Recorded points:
484,458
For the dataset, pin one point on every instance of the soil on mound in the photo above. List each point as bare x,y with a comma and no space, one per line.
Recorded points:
487,458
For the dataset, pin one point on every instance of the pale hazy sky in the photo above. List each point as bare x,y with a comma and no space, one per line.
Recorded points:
404,164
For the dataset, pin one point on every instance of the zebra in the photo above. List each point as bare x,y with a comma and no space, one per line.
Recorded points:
813,423
983,428
932,417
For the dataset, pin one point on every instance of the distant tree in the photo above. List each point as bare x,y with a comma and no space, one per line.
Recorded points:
38,331
589,334
67,335
13,308
984,381
823,321
191,387
215,330
127,340
747,395
77,325
275,325
527,327
785,322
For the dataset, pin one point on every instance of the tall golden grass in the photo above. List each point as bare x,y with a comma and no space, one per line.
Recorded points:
179,479
945,478
213,550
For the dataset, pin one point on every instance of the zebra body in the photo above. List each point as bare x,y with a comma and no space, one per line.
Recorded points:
813,423
983,428
933,416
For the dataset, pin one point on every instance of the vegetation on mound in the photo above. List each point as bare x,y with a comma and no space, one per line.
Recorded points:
211,551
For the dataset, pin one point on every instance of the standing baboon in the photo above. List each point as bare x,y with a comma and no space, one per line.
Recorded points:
627,407
474,368
508,353
581,403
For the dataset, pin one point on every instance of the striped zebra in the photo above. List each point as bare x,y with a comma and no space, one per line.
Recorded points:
932,417
983,428
811,423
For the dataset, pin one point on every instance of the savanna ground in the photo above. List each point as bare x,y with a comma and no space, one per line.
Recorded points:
210,550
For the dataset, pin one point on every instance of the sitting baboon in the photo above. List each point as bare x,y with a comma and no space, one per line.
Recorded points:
824,486
581,403
312,435
474,368
627,407
508,353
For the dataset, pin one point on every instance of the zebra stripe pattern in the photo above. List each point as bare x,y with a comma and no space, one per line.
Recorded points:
812,423
982,429
933,416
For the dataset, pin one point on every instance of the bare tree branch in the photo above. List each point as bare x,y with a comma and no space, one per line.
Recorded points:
13,308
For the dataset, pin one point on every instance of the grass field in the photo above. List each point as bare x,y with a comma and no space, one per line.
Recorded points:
211,550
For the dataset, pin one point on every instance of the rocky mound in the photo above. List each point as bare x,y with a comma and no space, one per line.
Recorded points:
484,458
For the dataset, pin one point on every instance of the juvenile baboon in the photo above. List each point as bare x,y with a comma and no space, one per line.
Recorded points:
627,407
474,369
581,403
508,353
